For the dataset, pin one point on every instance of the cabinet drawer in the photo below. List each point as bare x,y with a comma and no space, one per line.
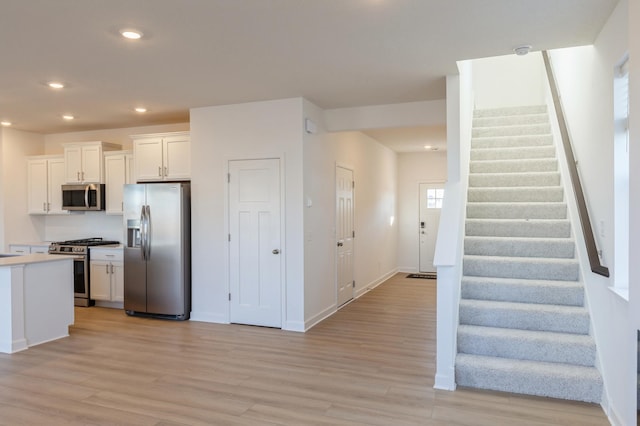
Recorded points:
19,249
114,255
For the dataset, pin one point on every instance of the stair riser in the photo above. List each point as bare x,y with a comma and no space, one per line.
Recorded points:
525,319
516,211
545,350
505,180
516,228
510,111
523,293
520,248
518,381
512,120
533,129
514,166
513,153
511,142
534,269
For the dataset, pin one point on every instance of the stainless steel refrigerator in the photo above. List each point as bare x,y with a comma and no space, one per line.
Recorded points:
157,253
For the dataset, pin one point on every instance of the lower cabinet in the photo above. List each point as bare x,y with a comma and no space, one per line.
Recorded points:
28,248
106,274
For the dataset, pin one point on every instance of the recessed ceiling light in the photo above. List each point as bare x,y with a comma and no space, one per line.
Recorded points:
131,34
141,109
68,117
5,123
55,84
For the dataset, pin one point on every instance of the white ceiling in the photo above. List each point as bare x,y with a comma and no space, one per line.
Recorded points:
336,53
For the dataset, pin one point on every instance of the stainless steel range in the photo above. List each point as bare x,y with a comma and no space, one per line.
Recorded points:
80,249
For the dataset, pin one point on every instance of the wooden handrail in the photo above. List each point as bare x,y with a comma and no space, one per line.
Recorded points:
587,230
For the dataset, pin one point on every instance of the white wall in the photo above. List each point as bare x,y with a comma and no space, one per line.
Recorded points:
409,114
243,131
375,245
16,225
634,161
508,81
585,78
413,169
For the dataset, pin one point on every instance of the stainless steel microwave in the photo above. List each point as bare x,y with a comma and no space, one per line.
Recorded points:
84,196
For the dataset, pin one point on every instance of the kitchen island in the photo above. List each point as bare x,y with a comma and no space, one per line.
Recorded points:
36,300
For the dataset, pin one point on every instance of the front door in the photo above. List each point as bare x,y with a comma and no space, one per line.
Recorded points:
431,196
344,234
254,242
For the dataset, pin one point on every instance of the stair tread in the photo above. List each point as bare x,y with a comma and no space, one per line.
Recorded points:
577,339
523,239
538,307
548,379
522,281
523,259
557,369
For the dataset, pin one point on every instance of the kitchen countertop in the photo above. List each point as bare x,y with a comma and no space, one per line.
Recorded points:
12,260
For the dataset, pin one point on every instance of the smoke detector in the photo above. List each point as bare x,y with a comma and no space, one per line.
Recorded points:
522,50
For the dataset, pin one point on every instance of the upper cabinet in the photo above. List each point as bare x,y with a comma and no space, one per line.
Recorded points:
84,161
45,176
162,157
118,171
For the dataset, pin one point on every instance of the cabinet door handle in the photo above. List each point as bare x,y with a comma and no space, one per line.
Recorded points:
166,173
107,266
112,268
44,207
83,176
77,176
48,206
159,171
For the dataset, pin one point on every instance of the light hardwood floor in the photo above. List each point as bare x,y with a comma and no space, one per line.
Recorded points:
371,363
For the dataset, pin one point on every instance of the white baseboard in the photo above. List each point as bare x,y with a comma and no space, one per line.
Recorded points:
408,269
362,290
208,317
319,317
294,326
445,381
113,305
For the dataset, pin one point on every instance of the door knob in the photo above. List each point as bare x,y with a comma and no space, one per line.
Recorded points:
275,251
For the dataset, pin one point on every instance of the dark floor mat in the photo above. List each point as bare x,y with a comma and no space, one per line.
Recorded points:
427,276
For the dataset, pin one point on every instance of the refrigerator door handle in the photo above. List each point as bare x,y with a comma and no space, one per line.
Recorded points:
147,233
143,238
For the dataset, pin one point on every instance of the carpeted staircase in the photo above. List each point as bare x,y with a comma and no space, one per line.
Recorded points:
523,325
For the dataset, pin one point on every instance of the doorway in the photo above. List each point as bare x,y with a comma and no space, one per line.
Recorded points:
431,197
255,284
344,234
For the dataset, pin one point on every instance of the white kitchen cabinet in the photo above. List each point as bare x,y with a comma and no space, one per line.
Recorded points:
162,157
19,249
84,161
106,272
118,171
28,248
45,177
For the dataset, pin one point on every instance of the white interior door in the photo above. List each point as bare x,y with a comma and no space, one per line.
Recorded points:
344,234
254,245
431,196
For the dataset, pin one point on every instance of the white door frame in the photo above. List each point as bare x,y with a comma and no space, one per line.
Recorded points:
283,241
423,182
335,238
